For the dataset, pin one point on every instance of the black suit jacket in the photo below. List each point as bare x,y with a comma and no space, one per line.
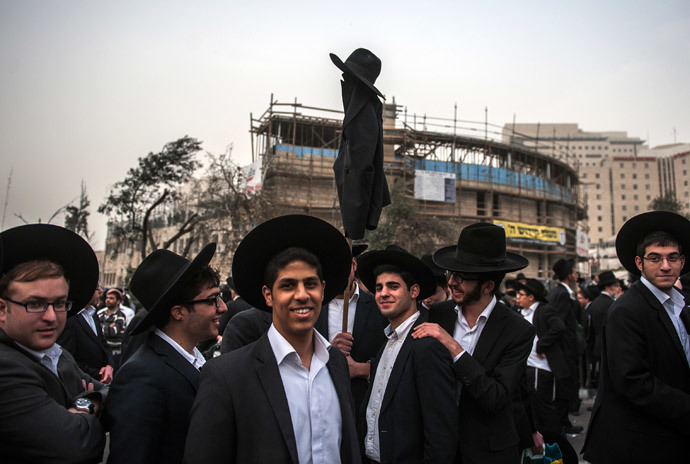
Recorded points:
489,381
358,169
550,332
418,420
598,310
35,425
368,336
241,413
245,328
566,308
88,349
642,410
147,410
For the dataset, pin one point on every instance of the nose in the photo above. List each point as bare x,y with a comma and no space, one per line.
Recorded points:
301,292
222,307
49,314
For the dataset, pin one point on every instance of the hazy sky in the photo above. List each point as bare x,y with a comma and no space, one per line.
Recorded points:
87,87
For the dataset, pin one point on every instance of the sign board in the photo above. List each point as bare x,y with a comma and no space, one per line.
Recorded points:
582,247
434,186
539,235
250,183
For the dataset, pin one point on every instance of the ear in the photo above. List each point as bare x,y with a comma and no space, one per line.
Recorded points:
414,291
488,287
267,295
354,264
3,311
639,262
177,313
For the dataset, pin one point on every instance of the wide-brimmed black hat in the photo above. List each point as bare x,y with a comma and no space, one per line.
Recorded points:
533,287
363,64
358,248
62,246
275,235
438,271
640,226
161,278
606,278
481,249
401,259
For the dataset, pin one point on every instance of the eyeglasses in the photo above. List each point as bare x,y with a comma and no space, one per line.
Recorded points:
459,278
656,259
215,300
41,307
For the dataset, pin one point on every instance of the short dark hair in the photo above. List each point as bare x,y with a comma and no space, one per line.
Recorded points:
495,277
29,272
205,277
407,277
660,238
287,256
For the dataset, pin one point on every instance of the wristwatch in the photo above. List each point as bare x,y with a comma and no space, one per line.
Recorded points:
84,405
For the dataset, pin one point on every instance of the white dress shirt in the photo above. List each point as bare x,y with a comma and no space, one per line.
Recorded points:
195,358
88,314
396,338
533,360
312,399
48,357
468,336
673,305
335,314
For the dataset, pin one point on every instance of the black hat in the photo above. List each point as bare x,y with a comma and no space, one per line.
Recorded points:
362,64
640,226
481,249
423,276
358,248
161,278
275,235
438,271
606,278
534,287
231,283
520,276
563,267
59,245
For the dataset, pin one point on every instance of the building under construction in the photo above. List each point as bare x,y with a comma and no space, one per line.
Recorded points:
533,195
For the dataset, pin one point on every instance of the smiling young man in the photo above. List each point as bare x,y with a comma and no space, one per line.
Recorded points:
47,406
410,408
489,342
286,397
642,410
147,412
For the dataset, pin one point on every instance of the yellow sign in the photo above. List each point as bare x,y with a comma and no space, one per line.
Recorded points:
542,235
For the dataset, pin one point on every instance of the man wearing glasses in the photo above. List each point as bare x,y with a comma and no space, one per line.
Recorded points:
489,342
147,411
642,409
48,405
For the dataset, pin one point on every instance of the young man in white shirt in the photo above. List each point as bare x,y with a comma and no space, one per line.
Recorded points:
285,397
147,412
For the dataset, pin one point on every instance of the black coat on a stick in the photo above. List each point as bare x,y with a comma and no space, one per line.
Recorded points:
359,176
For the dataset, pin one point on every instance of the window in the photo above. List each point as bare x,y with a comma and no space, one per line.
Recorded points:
685,183
481,203
686,194
598,196
634,176
685,172
601,229
646,176
649,197
625,218
599,218
683,160
623,197
623,186
624,208
634,166
637,208
646,165
598,186
622,165
646,187
635,197
596,175
634,186
599,207
622,175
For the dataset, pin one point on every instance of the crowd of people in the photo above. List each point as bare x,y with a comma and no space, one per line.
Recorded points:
319,351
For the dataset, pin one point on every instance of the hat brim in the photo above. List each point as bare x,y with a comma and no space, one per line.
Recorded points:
345,68
169,297
636,228
295,230
532,291
446,258
423,275
54,243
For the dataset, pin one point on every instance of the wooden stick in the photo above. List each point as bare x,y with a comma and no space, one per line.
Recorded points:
349,290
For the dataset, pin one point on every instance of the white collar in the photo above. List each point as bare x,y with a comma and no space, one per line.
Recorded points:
676,297
403,329
528,311
282,348
485,314
196,359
